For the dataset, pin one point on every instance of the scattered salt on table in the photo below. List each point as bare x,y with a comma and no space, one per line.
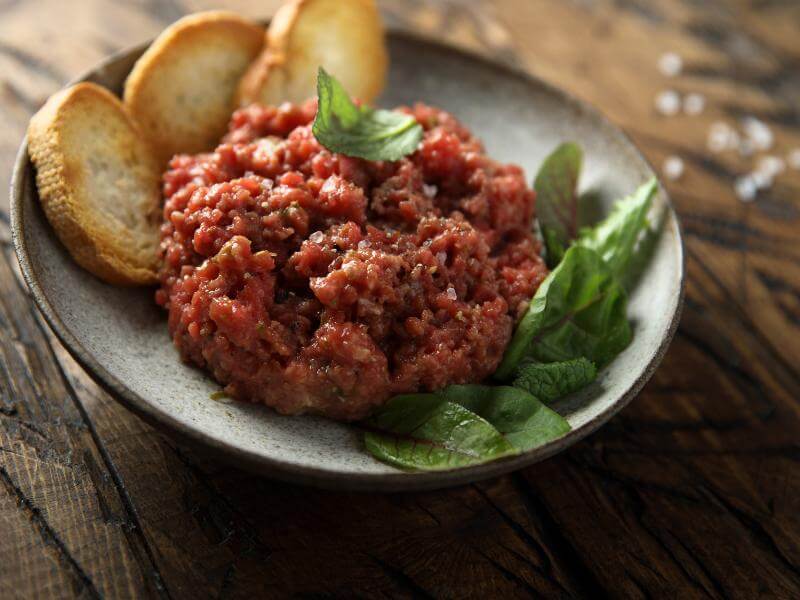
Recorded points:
673,167
761,180
759,134
693,103
771,165
746,188
720,136
668,103
670,64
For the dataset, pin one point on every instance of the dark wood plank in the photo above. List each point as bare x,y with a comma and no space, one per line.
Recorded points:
64,526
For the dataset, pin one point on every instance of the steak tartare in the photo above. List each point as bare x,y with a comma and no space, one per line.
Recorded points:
318,283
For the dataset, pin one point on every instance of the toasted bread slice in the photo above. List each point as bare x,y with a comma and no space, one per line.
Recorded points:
181,90
98,183
344,36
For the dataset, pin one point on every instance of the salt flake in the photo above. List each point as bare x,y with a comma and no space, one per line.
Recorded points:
668,103
670,64
761,180
771,165
719,136
746,189
673,167
693,104
758,132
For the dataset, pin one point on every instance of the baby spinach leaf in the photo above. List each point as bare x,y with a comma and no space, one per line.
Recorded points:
361,131
556,186
615,237
425,431
578,310
550,381
524,421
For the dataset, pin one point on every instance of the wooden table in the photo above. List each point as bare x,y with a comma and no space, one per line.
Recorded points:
694,490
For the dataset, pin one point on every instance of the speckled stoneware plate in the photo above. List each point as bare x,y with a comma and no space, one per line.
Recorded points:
120,336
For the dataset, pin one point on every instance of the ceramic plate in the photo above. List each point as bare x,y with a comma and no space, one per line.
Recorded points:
120,337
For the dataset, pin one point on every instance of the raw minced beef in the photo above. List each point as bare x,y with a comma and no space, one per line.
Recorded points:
318,283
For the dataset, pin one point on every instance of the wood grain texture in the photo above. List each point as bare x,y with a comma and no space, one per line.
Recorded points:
693,491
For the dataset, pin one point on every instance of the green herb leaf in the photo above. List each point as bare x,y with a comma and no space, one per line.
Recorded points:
524,421
343,127
616,236
578,310
554,250
550,381
644,251
425,431
556,186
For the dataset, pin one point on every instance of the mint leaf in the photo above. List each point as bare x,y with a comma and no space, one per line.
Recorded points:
524,421
368,133
550,381
578,310
425,431
554,250
556,186
616,236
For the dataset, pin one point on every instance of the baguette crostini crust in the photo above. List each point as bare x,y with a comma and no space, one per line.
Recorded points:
181,91
90,160
344,36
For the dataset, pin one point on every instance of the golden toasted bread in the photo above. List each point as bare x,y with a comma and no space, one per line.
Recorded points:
181,91
344,36
98,183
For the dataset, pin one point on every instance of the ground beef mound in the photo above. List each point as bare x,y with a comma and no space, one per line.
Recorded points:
317,283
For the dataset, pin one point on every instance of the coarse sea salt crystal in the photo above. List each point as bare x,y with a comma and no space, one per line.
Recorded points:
668,103
670,64
771,165
316,237
451,293
673,167
758,132
693,104
441,257
364,244
746,189
793,158
719,136
429,190
761,180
